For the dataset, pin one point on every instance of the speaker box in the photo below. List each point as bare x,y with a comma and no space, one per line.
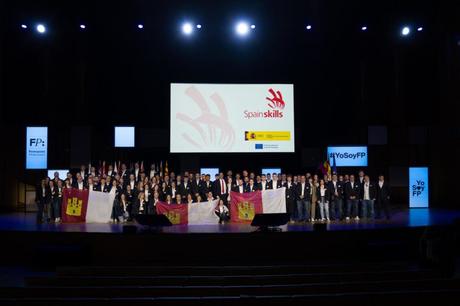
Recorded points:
320,227
153,220
270,220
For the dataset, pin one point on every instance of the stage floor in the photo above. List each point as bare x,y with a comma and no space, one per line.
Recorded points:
405,218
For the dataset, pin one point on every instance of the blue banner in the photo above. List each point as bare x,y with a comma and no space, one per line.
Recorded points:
418,187
37,148
348,156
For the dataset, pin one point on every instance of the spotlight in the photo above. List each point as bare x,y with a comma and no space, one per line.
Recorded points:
420,29
242,28
82,26
363,28
187,28
405,31
308,27
41,28
23,26
253,26
140,26
198,26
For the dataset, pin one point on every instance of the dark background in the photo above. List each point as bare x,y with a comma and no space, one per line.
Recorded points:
399,95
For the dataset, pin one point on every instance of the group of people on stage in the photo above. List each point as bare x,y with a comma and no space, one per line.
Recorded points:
309,198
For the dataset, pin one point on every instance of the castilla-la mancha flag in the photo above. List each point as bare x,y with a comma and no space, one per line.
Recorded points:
176,213
74,205
244,206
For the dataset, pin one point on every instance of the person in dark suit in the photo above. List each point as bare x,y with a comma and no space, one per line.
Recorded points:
56,178
42,198
352,192
303,197
72,181
206,187
53,195
264,184
336,198
239,187
367,196
124,173
323,196
275,183
196,185
251,186
220,188
57,201
140,206
382,202
102,186
290,198
185,188
178,199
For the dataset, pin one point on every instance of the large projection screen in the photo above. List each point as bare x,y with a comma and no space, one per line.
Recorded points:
232,118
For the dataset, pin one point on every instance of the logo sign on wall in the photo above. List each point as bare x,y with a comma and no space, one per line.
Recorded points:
37,148
418,187
348,156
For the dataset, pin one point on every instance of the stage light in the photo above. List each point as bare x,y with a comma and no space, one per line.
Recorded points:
198,26
308,27
405,31
23,26
420,29
82,26
253,26
363,28
41,28
242,28
140,26
187,28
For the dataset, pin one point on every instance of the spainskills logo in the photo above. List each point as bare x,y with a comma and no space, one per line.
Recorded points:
276,102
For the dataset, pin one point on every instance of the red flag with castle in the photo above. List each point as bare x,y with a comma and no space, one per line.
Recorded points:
176,213
244,206
74,205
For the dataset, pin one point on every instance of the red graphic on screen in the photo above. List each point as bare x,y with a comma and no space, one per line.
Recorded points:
277,99
213,129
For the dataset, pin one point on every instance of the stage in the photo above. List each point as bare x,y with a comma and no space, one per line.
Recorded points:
400,219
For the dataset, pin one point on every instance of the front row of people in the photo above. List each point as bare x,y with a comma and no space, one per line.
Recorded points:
308,198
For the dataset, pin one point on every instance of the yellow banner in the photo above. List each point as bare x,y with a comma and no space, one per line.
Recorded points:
267,135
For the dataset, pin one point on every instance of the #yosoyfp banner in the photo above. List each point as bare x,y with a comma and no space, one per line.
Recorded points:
74,205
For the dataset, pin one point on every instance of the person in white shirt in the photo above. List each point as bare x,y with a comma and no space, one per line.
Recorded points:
222,212
303,196
152,171
323,200
263,185
275,184
290,198
367,197
80,184
239,186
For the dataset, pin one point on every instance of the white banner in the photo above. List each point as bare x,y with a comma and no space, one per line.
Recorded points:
99,206
202,213
274,201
